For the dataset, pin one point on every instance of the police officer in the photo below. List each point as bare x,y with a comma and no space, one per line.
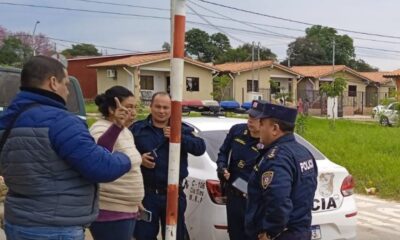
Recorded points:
236,159
151,138
282,185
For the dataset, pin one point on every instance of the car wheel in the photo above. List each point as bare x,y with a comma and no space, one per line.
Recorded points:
384,121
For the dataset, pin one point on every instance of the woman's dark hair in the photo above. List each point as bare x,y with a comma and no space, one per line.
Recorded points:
106,100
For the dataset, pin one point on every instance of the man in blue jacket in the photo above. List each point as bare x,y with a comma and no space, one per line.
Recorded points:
282,185
236,159
152,141
48,159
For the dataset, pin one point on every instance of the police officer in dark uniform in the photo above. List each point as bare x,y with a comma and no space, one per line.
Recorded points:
152,141
236,159
282,185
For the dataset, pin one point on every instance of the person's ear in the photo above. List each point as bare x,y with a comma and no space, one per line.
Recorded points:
53,83
111,111
275,129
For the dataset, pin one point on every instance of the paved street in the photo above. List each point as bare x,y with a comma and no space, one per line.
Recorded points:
377,219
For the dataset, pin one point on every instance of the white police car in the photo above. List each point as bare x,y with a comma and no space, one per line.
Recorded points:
334,211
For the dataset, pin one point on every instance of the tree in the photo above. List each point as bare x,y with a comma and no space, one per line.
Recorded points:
166,46
361,66
42,44
220,43
198,44
244,52
13,52
334,90
82,49
220,83
317,46
3,35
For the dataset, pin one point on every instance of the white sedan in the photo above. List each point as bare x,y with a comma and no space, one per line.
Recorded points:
334,211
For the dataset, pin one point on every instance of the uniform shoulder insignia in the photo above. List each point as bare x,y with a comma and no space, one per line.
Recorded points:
245,132
266,178
272,153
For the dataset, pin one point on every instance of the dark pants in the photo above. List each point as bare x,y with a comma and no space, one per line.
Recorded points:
121,230
235,209
294,236
157,205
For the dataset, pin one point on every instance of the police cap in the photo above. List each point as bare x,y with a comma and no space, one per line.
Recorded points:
256,108
279,112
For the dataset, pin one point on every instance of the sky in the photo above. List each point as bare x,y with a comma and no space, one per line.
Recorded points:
123,29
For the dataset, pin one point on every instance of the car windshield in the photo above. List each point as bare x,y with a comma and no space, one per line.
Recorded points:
214,140
9,87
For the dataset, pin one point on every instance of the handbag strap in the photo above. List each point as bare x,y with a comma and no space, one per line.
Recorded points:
7,131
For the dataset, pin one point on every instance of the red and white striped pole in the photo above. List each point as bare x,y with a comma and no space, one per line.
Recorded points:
177,64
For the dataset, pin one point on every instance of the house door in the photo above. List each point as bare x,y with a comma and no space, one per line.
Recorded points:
168,84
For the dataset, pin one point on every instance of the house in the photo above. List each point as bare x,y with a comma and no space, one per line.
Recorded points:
354,97
87,77
252,80
148,73
395,76
382,89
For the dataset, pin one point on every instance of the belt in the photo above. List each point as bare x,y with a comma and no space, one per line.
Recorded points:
160,190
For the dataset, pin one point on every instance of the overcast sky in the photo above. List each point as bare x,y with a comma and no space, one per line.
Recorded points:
138,33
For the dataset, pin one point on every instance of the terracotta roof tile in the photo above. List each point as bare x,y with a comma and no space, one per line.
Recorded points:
317,71
146,59
376,76
395,73
242,66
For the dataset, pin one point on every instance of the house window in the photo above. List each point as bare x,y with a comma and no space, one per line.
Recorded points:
352,91
249,86
146,82
192,84
275,87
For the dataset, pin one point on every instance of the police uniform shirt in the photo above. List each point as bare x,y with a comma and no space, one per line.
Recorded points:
241,147
281,189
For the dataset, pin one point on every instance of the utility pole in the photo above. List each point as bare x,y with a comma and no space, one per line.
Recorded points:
333,56
33,38
258,58
178,17
252,67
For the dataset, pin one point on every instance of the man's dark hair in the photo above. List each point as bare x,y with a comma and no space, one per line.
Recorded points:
284,126
106,100
39,68
159,94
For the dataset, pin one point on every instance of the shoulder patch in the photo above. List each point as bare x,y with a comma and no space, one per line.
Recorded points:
266,178
245,132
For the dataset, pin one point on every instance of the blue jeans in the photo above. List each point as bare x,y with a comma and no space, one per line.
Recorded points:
16,232
121,230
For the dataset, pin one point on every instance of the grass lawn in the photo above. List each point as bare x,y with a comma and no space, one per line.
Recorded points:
371,153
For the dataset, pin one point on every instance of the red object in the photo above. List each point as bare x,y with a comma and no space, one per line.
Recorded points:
348,185
87,77
215,193
192,103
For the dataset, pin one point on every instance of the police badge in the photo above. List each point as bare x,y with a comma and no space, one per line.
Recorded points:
266,178
241,164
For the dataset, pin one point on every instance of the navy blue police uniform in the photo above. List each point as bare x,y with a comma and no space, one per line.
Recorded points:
151,139
238,155
282,186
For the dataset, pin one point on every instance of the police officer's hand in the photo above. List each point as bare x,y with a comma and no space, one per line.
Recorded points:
263,236
148,160
167,131
121,114
227,174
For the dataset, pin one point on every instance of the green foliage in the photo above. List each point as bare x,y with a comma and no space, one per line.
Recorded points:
243,53
369,151
335,88
198,43
13,52
361,66
220,83
166,46
83,49
301,124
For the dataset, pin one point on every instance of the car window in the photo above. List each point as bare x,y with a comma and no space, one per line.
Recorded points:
214,140
9,87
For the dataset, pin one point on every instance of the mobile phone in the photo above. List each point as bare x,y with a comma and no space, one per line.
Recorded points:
240,184
145,215
153,153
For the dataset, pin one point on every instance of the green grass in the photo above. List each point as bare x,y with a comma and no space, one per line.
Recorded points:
91,107
371,153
